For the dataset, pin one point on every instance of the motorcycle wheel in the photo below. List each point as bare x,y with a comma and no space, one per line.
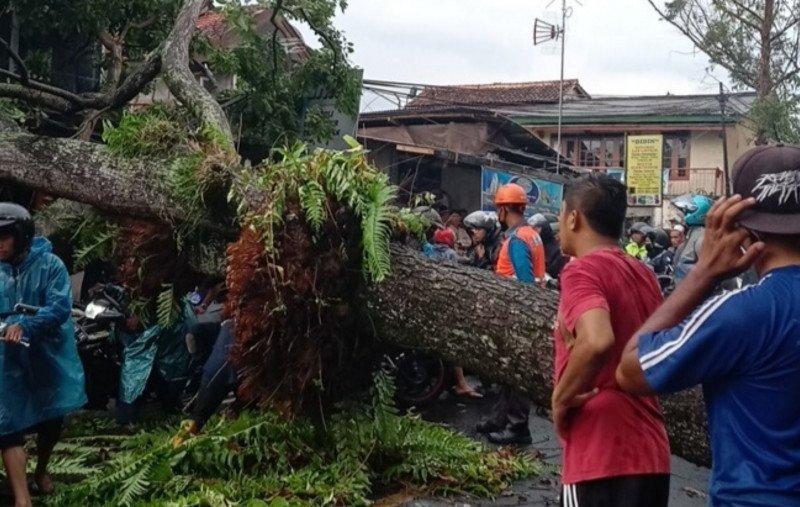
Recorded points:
420,379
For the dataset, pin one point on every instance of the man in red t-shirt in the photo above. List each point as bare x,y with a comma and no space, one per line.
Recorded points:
616,451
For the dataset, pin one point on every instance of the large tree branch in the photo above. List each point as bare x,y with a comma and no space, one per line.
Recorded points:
21,67
88,173
179,78
713,52
497,328
33,96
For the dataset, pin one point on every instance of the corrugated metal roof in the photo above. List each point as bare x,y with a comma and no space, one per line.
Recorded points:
494,94
660,108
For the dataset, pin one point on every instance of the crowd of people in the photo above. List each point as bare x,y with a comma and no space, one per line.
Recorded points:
618,343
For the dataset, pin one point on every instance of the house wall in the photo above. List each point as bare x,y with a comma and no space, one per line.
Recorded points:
706,165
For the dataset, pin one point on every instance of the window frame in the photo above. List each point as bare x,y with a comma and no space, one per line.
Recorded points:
676,172
583,150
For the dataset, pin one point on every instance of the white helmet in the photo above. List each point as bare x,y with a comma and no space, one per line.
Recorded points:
537,220
481,220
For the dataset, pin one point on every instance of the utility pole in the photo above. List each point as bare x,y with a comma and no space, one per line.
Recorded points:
561,85
722,100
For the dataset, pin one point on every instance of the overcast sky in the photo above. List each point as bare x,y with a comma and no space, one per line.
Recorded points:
615,47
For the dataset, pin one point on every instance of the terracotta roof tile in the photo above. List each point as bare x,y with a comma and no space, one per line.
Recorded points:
214,25
534,92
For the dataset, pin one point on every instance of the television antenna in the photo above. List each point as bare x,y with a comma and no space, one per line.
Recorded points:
544,32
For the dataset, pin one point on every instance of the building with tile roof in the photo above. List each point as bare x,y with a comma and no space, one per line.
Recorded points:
594,130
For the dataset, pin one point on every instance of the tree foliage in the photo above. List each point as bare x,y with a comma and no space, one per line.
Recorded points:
276,80
261,459
758,43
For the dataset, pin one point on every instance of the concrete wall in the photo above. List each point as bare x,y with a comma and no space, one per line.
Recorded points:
705,149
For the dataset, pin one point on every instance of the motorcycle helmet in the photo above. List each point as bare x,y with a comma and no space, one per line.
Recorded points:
659,237
481,220
510,194
659,242
694,208
15,220
537,220
640,227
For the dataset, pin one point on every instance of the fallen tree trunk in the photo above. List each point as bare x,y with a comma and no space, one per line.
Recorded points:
497,328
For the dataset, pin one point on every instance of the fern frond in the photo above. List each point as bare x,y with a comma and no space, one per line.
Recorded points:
376,231
134,486
100,248
167,308
312,201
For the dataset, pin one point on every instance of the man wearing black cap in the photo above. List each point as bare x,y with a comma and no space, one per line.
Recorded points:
742,346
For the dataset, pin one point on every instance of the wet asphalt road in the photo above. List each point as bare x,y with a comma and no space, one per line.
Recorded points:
688,484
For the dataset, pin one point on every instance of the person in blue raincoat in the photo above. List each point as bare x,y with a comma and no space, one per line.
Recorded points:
42,382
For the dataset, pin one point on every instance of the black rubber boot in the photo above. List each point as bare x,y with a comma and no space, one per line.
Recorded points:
488,425
518,434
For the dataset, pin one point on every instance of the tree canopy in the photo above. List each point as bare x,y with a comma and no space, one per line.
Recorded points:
758,43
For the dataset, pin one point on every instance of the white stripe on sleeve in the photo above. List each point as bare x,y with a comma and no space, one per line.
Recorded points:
654,357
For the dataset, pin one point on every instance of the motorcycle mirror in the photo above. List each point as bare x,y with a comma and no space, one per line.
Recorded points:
93,310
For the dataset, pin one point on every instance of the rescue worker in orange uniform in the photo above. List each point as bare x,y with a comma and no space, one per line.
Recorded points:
521,258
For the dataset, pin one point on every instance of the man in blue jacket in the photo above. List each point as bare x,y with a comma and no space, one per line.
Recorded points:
42,382
743,346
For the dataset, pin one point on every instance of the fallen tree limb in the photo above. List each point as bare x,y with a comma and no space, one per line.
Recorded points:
497,328
88,173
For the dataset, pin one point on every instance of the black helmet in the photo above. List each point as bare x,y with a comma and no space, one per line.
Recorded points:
15,220
640,227
659,237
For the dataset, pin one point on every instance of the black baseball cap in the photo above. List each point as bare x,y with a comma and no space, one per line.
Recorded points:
770,174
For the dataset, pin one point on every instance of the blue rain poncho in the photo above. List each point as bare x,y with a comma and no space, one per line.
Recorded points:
44,381
157,347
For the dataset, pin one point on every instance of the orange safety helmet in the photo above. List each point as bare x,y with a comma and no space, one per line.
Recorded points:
510,194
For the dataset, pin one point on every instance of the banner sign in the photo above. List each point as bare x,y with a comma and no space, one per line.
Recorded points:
644,172
543,196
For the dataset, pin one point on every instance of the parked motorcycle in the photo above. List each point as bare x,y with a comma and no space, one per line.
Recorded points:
127,365
97,328
419,378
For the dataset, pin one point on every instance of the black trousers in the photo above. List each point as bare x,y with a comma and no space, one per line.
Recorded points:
511,408
49,430
624,491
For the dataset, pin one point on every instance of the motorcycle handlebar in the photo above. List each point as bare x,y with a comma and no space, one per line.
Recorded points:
23,309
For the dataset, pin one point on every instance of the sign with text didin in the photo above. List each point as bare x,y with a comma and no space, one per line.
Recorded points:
543,196
643,159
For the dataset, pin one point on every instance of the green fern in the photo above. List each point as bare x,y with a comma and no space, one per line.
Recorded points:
312,179
376,230
312,200
100,248
167,308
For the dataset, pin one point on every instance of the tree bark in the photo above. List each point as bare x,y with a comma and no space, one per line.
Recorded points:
179,78
88,173
498,328
765,86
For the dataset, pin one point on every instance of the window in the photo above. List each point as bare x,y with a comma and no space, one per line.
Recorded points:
595,152
676,156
